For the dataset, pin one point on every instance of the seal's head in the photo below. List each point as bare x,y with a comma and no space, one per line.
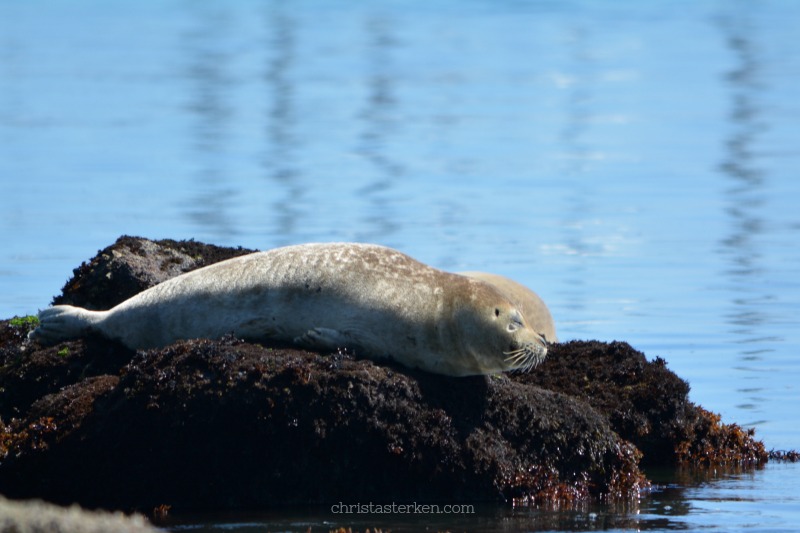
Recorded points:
494,335
532,307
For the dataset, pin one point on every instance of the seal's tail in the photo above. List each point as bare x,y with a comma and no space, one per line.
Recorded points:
62,322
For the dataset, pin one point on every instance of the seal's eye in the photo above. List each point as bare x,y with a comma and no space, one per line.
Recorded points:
496,312
516,322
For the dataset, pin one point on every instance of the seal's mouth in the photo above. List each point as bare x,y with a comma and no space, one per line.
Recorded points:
526,358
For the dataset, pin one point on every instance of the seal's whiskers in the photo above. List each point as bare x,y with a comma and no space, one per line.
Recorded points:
523,359
516,356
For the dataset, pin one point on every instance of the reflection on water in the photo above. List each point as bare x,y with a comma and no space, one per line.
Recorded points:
209,82
683,500
380,121
576,82
744,206
286,187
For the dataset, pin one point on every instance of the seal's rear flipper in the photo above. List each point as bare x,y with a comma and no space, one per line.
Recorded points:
62,322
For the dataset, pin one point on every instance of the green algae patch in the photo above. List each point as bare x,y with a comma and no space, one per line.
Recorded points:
30,322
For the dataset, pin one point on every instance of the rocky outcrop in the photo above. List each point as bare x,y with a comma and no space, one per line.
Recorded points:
133,264
229,424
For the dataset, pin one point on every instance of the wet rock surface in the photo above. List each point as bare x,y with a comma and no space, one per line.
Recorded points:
227,424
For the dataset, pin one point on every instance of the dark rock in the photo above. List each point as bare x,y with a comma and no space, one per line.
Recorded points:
227,424
133,264
28,374
234,425
645,403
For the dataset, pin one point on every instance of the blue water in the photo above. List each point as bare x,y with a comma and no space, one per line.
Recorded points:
636,163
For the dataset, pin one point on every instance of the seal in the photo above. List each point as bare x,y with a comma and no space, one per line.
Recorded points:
374,300
532,307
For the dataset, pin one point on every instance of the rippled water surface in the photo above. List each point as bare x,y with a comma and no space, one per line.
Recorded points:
636,163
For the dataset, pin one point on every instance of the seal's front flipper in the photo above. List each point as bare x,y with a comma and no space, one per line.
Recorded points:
325,339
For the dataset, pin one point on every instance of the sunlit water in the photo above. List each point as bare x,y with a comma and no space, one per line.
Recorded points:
636,163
